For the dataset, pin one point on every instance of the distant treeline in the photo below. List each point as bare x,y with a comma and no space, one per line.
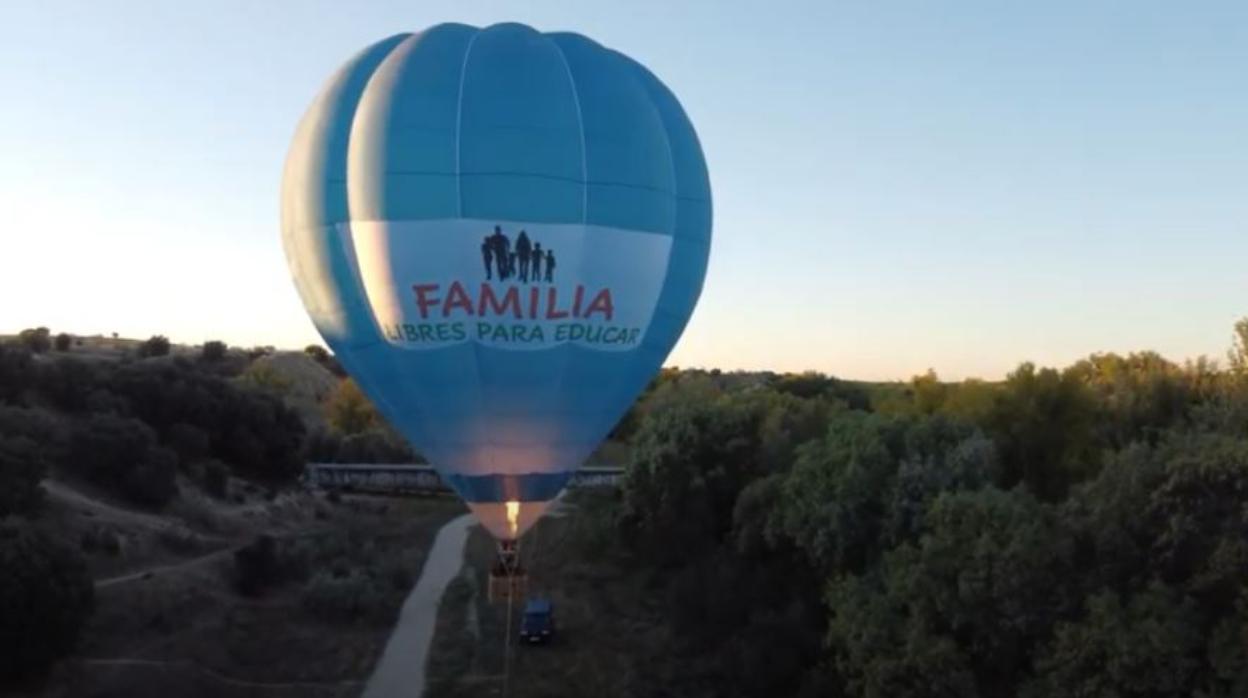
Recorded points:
1074,532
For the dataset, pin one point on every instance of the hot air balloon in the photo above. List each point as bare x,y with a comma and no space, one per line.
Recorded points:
501,234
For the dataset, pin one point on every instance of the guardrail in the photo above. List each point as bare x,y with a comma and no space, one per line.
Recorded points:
416,477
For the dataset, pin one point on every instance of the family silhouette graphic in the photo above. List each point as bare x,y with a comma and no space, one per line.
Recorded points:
524,260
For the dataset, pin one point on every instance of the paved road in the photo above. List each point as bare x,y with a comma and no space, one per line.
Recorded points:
401,671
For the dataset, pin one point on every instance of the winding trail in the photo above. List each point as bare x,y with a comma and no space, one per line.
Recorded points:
400,673
149,572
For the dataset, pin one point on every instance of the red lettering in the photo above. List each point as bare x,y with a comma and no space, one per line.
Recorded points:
456,297
424,302
576,300
511,299
551,312
602,304
533,303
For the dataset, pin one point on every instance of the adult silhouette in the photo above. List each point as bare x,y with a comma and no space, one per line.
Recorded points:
502,247
536,270
550,265
487,256
511,264
523,248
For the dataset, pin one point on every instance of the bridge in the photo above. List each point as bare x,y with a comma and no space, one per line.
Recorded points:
419,478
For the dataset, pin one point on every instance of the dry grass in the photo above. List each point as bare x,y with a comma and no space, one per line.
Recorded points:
185,631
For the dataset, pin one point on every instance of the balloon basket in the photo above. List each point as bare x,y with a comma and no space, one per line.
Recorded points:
505,584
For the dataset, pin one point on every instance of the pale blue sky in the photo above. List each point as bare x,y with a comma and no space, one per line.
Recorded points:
897,185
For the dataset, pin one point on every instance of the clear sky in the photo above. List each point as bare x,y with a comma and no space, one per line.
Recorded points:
955,185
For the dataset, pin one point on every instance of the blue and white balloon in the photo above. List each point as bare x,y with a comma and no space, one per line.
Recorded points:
501,234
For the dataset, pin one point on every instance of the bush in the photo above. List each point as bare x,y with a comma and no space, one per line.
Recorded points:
63,342
22,466
317,352
37,340
324,358
256,566
254,432
45,597
349,411
347,597
376,446
152,481
156,345
216,478
121,453
213,351
37,425
190,442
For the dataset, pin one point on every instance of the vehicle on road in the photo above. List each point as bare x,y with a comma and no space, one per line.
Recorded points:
538,625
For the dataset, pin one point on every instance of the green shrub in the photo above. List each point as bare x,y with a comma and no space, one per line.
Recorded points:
45,597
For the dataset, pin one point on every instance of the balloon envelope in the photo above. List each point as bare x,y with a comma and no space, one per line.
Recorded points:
501,234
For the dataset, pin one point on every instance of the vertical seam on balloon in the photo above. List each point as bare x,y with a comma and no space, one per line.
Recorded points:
569,352
580,122
347,243
459,124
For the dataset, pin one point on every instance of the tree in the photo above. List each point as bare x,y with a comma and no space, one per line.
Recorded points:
812,384
16,372
63,342
349,411
929,393
213,351
121,453
190,442
1143,646
156,345
1042,422
317,352
46,595
38,340
690,461
69,383
834,497
1238,354
1137,397
959,611
252,430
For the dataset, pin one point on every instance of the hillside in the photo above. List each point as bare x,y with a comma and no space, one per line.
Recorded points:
172,481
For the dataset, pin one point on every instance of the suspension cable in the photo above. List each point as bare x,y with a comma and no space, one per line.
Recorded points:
511,592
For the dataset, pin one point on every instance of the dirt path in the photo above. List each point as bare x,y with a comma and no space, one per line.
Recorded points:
400,673
150,571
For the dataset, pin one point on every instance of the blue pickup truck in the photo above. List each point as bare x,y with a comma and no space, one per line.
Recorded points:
538,624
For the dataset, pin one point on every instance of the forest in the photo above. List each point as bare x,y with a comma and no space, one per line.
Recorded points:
1073,532
1080,531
